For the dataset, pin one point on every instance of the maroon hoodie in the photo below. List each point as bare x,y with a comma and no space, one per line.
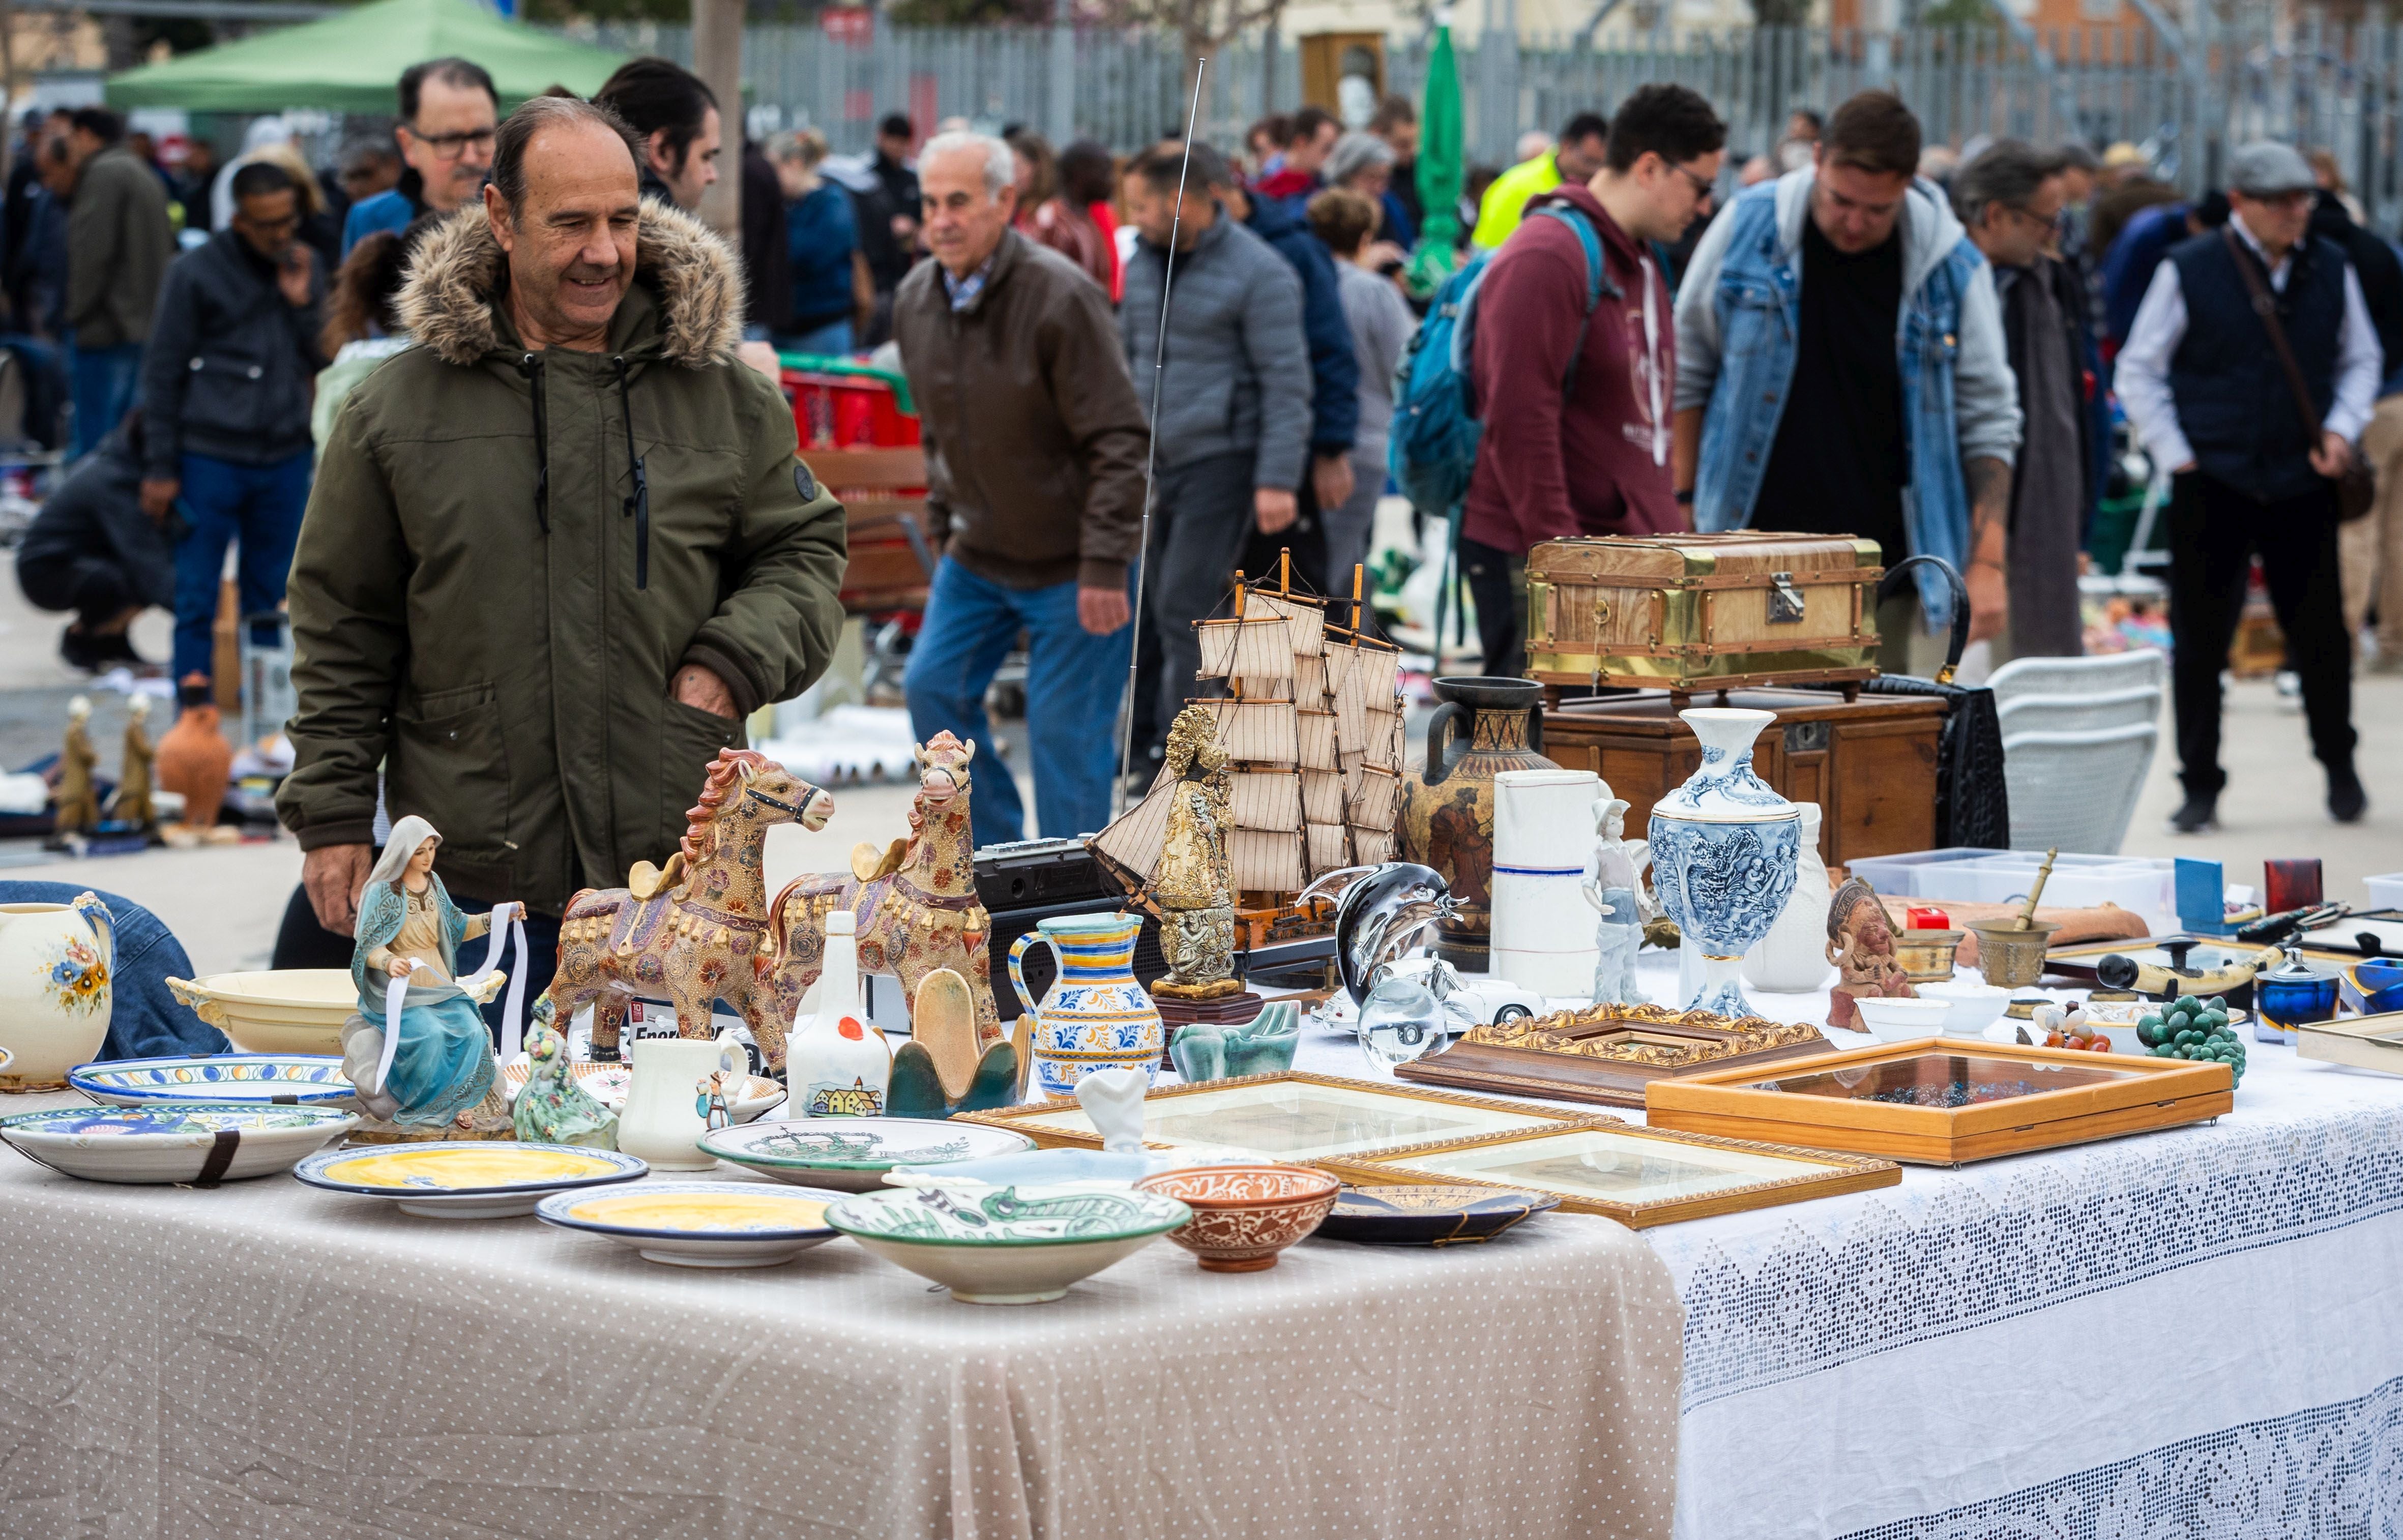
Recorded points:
1598,462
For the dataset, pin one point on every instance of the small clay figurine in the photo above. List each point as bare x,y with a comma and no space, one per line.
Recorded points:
194,760
433,1065
1860,942
78,800
709,1102
134,805
554,1108
1193,883
1612,887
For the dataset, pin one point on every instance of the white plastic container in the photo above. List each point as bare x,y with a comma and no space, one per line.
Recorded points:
1969,875
2386,893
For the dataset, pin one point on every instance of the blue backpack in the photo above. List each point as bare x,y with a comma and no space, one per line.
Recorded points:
1433,444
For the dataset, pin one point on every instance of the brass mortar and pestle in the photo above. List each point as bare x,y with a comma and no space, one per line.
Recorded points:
2010,952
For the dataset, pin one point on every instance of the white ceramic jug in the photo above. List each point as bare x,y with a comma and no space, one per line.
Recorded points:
661,1123
1792,959
1543,932
55,966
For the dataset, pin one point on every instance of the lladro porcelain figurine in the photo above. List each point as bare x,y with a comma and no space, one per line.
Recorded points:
554,1108
1724,847
1611,886
837,1066
417,1047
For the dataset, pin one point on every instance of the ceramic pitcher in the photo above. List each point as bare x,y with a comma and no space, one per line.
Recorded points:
1724,847
55,966
1094,1015
661,1123
1481,728
1792,959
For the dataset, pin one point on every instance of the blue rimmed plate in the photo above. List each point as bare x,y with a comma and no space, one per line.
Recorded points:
700,1224
281,1079
467,1178
1429,1213
199,1142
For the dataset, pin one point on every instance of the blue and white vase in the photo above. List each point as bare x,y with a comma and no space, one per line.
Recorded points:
1724,847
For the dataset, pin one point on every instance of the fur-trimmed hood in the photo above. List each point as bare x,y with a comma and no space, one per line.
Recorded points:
447,301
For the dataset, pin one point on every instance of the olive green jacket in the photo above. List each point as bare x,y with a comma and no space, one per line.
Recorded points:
485,604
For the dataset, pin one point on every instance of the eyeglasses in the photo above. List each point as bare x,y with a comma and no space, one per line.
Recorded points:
1703,187
450,146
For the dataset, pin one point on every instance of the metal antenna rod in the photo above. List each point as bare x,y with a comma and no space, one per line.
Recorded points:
1151,454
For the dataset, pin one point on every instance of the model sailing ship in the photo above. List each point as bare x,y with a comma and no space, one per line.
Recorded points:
1313,728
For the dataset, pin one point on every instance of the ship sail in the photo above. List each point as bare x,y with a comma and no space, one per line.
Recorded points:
1265,800
1249,648
1133,843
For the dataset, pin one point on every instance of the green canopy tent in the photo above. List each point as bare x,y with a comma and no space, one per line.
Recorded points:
348,62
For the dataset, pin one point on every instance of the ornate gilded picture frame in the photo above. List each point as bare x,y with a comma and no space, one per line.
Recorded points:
1640,1177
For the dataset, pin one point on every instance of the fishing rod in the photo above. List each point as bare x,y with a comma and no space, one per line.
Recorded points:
1151,454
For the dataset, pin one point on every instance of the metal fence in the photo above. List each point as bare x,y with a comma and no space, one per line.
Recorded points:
2186,98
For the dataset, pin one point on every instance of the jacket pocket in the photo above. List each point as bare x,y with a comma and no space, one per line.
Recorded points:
689,739
449,765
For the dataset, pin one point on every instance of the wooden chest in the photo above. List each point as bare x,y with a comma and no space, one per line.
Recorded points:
1869,764
1702,611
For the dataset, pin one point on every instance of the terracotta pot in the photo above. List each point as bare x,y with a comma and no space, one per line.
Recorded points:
1448,805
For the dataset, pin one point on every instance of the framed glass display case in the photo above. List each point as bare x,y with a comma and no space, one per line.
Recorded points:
1942,1102
2364,1042
1637,1176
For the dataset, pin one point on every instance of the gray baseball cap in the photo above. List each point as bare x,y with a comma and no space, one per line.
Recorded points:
2264,169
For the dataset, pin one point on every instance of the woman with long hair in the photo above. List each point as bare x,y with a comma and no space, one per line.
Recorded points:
362,320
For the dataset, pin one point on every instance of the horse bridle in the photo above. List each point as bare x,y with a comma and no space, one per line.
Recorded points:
782,807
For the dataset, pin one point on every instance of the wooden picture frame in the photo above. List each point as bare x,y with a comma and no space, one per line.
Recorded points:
2363,1042
1752,1175
1548,1056
1854,1101
1245,1112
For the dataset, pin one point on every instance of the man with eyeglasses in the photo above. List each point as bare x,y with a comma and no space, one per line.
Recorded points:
1840,371
449,113
225,403
2010,196
1574,357
2202,381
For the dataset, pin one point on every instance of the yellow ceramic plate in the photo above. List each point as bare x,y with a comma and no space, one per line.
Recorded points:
719,1207
464,1168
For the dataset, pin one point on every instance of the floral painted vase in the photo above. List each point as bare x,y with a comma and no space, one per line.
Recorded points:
55,962
1094,1015
1724,847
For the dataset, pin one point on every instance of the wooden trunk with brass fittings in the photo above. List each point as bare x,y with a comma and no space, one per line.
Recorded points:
1690,613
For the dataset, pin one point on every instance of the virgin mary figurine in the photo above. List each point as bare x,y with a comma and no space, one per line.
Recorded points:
438,1064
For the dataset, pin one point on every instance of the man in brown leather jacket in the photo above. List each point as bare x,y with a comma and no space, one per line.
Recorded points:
1034,451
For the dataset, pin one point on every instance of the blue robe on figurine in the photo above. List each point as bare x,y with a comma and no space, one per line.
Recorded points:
444,1062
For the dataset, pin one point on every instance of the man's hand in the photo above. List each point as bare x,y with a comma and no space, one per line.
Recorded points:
1274,508
158,496
1330,476
1990,601
332,876
292,274
1101,611
696,685
2332,455
1990,504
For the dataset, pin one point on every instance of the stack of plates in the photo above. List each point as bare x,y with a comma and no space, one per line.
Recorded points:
200,1142
469,1178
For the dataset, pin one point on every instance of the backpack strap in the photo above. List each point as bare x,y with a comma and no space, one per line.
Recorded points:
1598,280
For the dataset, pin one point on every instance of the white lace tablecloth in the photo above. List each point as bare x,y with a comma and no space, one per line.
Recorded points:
2194,1334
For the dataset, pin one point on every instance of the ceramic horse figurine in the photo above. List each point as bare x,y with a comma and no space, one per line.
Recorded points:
915,902
696,930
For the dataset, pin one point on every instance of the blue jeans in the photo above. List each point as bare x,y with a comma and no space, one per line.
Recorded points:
831,340
145,1020
1074,680
103,382
221,501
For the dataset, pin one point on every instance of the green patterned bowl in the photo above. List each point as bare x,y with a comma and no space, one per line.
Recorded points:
1006,1245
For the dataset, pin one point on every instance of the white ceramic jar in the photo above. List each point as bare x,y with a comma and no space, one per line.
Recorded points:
1792,959
56,967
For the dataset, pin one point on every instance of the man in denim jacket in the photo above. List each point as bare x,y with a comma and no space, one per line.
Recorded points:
1876,398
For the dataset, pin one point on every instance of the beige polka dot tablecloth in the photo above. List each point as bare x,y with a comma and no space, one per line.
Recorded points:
268,1360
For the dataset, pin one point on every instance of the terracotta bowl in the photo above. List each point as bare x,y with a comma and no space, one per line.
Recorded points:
1243,1215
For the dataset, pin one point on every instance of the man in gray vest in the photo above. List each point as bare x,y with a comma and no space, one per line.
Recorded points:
2203,382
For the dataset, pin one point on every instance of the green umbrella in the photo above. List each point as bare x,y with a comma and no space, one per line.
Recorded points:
1439,170
349,62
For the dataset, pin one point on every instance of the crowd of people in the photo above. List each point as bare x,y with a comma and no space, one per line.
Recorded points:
1854,333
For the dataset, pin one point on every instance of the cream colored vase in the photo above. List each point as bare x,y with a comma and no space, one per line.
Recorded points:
663,1122
55,972
1792,959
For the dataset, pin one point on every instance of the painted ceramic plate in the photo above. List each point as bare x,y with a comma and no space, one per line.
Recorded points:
1432,1215
700,1224
201,1144
608,1084
466,1179
305,1079
1002,1246
853,1154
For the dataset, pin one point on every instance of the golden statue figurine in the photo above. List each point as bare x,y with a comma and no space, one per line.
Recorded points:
77,798
133,804
1194,885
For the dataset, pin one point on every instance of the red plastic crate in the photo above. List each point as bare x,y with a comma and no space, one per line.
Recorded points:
846,410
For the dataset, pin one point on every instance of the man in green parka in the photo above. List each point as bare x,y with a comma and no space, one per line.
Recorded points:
558,548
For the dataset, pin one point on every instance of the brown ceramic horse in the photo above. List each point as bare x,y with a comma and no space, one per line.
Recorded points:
916,902
698,931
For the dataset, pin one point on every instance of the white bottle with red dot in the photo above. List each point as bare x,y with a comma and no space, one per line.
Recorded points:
837,1065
